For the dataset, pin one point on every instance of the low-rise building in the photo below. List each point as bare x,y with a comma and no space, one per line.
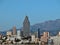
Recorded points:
9,33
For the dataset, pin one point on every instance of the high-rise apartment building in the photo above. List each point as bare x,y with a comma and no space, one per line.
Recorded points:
38,33
14,30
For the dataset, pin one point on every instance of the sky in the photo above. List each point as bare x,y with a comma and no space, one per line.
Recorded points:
13,12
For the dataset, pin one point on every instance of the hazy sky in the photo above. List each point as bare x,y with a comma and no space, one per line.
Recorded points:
13,12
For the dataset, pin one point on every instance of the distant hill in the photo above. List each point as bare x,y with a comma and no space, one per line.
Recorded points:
52,26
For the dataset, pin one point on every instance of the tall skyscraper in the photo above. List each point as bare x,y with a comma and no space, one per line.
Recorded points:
38,32
26,27
14,30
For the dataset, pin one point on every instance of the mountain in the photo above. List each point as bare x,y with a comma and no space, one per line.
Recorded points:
52,26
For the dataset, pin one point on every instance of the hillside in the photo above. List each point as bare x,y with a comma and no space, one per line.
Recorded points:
53,26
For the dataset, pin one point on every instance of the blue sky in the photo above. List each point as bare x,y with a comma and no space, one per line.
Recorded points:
13,12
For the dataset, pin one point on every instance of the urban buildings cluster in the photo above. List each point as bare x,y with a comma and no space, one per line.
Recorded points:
24,36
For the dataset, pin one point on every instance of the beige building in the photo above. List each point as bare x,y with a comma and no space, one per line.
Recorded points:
46,34
45,37
9,33
36,40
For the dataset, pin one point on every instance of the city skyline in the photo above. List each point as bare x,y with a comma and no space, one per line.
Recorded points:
12,12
